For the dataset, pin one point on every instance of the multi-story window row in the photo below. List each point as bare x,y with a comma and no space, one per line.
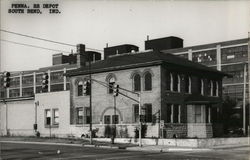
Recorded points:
182,83
217,56
139,81
27,84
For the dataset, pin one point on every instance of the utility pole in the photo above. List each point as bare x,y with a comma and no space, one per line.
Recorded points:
90,101
244,101
114,120
140,126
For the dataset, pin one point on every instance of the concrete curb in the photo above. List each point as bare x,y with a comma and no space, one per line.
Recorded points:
64,144
168,149
144,148
47,143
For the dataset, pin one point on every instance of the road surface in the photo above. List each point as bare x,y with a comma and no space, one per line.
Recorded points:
40,151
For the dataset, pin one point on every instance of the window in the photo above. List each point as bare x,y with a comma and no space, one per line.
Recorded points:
148,81
55,116
207,57
168,81
201,86
47,117
176,82
214,88
137,82
197,114
169,113
79,113
56,77
87,115
175,113
209,88
27,80
115,119
187,81
15,82
208,114
136,112
107,119
111,84
238,53
80,88
148,112
14,93
217,88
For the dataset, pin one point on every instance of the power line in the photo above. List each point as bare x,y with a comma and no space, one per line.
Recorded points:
43,39
24,44
24,35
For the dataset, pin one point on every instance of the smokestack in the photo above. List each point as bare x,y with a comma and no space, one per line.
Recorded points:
81,56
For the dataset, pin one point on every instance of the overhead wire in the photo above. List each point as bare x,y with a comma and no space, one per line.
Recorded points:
34,46
43,39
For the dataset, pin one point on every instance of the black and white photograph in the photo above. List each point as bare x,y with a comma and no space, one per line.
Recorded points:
124,80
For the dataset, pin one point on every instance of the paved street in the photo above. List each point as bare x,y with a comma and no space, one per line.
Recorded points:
41,151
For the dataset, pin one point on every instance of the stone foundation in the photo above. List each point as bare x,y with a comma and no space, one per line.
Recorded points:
178,130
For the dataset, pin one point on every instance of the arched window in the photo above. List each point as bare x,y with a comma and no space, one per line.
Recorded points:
80,88
137,82
148,81
111,84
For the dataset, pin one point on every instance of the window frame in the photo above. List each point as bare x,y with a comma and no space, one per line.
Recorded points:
137,87
198,115
54,117
46,116
105,118
147,84
78,119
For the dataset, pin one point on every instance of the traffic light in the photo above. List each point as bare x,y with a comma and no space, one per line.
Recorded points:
86,88
6,79
116,89
45,81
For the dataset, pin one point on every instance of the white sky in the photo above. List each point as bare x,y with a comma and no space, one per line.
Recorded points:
95,23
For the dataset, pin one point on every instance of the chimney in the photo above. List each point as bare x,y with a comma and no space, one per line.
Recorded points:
81,56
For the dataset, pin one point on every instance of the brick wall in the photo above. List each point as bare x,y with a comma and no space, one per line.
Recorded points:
178,129
103,102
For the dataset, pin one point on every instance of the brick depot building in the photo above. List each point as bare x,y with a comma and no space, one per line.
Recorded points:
186,96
